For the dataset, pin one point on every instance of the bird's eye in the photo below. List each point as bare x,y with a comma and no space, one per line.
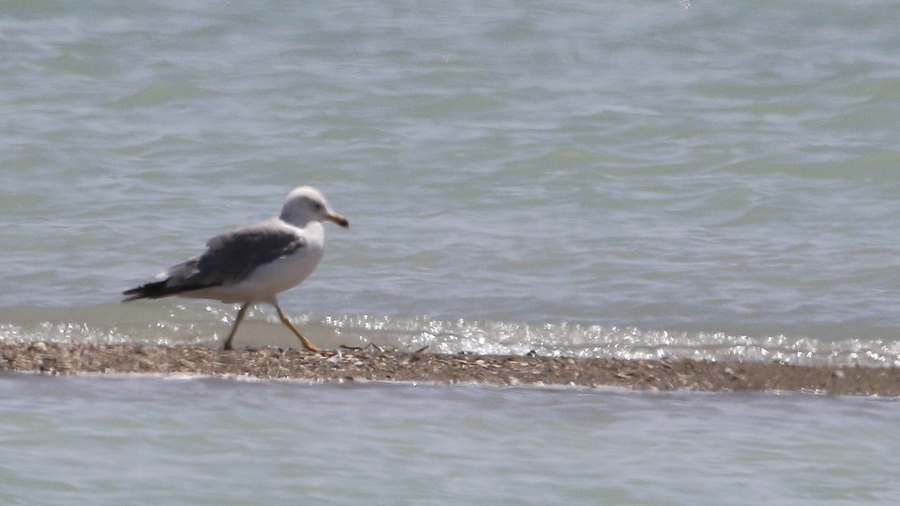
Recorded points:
317,206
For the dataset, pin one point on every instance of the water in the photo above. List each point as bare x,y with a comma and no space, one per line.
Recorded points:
223,442
631,179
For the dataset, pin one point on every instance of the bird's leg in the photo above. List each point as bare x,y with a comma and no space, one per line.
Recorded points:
306,344
237,321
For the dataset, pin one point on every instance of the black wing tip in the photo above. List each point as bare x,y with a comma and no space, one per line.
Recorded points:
153,290
160,289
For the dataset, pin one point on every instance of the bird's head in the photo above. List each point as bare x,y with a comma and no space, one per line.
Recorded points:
305,204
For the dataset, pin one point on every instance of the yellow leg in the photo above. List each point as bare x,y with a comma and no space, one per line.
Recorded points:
306,344
237,321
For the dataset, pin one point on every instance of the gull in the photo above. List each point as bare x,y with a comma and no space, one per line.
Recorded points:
253,264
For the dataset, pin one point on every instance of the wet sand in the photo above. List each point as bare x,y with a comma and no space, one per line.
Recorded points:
423,367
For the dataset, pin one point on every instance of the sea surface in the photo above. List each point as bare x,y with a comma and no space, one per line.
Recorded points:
632,179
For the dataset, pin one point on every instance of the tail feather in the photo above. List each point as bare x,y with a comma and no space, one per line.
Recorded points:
155,290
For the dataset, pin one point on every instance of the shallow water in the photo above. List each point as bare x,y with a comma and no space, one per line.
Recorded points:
151,441
630,179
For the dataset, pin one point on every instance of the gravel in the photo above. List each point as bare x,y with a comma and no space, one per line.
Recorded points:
423,367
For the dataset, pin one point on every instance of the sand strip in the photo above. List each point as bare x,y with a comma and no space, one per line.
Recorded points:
373,365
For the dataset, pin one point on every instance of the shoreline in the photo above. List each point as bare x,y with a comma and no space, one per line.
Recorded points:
423,367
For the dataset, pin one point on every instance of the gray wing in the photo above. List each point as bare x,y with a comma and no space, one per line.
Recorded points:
230,259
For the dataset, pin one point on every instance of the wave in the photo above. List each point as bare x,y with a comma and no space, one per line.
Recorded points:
206,325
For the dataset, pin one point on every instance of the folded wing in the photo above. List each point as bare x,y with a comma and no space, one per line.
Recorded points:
229,259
